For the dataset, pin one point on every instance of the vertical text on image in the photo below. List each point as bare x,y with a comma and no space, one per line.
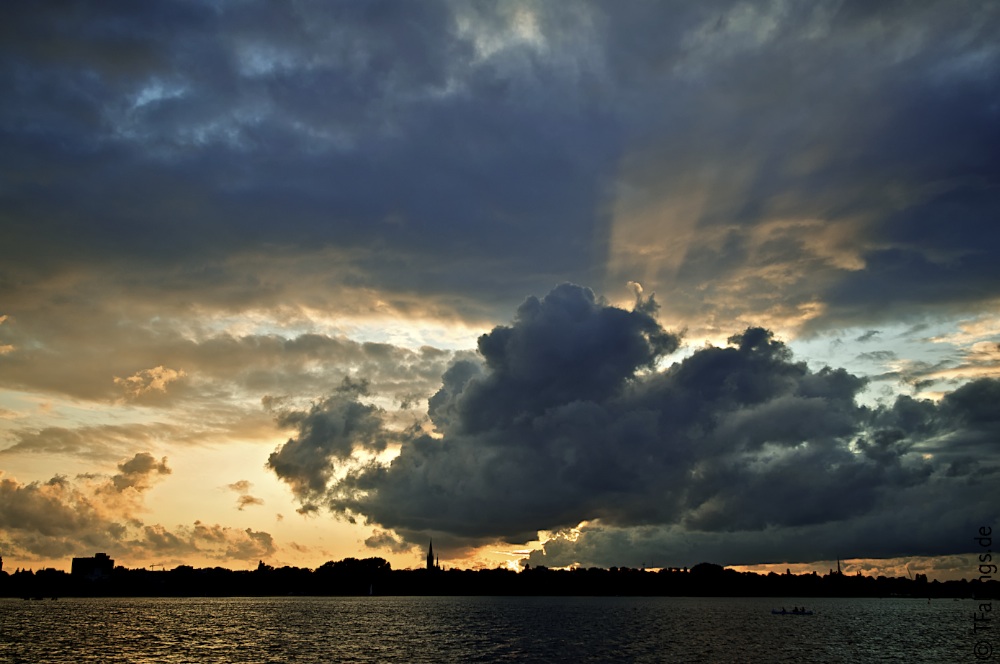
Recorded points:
982,617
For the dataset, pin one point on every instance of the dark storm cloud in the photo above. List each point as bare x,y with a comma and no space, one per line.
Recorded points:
851,148
148,144
327,434
534,365
567,420
539,379
357,126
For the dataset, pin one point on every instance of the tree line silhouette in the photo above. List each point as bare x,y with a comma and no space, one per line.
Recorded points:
375,576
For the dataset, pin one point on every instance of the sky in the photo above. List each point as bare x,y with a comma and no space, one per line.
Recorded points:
550,283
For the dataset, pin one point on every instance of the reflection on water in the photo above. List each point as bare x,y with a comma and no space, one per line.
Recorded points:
484,629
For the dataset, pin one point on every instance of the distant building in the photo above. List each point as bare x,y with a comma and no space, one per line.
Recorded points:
98,567
432,562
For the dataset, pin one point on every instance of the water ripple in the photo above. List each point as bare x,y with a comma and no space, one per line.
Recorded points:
480,629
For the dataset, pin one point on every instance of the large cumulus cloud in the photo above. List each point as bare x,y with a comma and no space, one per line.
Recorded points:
570,418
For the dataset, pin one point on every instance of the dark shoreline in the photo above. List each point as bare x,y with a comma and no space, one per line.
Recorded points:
374,576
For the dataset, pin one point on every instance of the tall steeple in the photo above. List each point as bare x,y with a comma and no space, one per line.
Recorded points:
430,556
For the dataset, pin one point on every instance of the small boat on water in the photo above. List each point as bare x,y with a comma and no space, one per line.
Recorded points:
793,612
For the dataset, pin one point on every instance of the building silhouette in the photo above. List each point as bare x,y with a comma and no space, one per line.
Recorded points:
98,567
432,562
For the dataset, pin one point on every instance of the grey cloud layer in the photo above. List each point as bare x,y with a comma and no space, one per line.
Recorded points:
91,361
568,419
439,144
320,116
831,153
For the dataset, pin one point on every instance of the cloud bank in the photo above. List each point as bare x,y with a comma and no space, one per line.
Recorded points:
570,418
64,517
838,152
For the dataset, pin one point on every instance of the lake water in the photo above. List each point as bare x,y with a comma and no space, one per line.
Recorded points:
485,629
